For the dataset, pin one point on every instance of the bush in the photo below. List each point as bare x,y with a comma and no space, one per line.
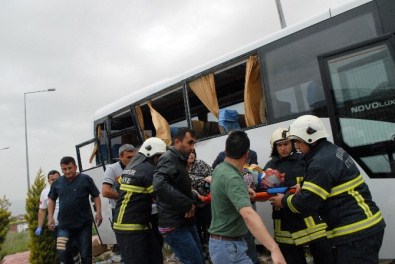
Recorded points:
4,219
43,247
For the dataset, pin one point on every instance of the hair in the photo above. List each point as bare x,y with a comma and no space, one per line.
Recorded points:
67,160
126,148
182,131
237,144
52,172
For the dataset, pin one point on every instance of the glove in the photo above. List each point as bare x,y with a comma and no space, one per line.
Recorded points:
38,231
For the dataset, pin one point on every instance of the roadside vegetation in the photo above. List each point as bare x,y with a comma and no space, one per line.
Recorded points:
4,222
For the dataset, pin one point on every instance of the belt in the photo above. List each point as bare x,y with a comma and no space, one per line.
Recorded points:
218,237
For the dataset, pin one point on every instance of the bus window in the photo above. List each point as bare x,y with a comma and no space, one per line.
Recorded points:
164,114
122,131
230,84
363,84
291,65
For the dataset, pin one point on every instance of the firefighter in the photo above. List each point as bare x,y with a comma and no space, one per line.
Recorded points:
334,189
292,231
133,226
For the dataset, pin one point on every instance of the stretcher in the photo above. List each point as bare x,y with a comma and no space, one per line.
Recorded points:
260,196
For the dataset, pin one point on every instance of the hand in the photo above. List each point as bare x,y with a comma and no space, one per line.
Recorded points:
208,179
51,224
277,257
297,188
251,193
38,231
276,201
98,218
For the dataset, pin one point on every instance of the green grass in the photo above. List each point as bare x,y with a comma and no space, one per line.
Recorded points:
15,243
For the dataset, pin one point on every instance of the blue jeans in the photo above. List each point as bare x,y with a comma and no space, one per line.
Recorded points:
185,244
83,236
226,252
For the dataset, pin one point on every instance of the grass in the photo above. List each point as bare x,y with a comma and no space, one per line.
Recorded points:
15,243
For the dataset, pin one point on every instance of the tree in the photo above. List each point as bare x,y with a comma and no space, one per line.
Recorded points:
4,218
43,247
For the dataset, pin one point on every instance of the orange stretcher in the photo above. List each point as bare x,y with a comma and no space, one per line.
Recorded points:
260,196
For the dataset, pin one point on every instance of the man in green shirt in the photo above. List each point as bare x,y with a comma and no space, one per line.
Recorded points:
232,212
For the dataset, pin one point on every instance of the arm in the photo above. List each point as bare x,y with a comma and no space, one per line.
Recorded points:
41,217
98,217
108,191
164,190
51,210
259,231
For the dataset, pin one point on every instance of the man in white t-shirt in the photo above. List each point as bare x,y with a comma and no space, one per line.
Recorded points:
42,211
114,171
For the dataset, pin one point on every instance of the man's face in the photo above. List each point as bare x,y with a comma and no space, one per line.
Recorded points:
69,170
126,156
187,145
52,178
284,148
302,146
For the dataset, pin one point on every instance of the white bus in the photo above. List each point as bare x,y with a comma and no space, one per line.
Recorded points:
338,65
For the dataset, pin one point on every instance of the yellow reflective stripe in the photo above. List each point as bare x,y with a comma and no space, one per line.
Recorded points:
123,206
361,202
130,227
136,189
309,221
310,237
290,206
310,230
347,186
314,188
299,179
278,231
284,240
356,227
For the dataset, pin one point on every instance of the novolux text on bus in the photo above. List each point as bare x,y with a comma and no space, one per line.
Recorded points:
340,66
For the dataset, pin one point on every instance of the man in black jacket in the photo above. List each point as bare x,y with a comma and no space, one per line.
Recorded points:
335,189
175,200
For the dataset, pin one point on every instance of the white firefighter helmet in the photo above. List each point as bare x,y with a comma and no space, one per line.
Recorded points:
308,128
153,146
280,134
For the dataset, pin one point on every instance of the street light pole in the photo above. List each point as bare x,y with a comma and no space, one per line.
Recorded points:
26,145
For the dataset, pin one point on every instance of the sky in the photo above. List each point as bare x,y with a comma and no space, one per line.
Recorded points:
95,52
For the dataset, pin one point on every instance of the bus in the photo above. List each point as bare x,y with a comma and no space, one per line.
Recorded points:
338,65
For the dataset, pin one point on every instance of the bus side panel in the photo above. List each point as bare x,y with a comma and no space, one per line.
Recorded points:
105,231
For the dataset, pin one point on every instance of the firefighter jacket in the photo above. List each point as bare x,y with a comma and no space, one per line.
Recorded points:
334,188
173,190
289,227
134,205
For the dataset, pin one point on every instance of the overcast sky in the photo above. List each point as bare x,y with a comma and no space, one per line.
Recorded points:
94,52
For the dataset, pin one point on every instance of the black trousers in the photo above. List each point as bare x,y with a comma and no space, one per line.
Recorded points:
362,251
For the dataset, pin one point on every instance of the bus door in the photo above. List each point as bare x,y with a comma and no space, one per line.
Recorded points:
84,150
359,83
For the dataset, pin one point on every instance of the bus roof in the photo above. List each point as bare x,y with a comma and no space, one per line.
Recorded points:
158,86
